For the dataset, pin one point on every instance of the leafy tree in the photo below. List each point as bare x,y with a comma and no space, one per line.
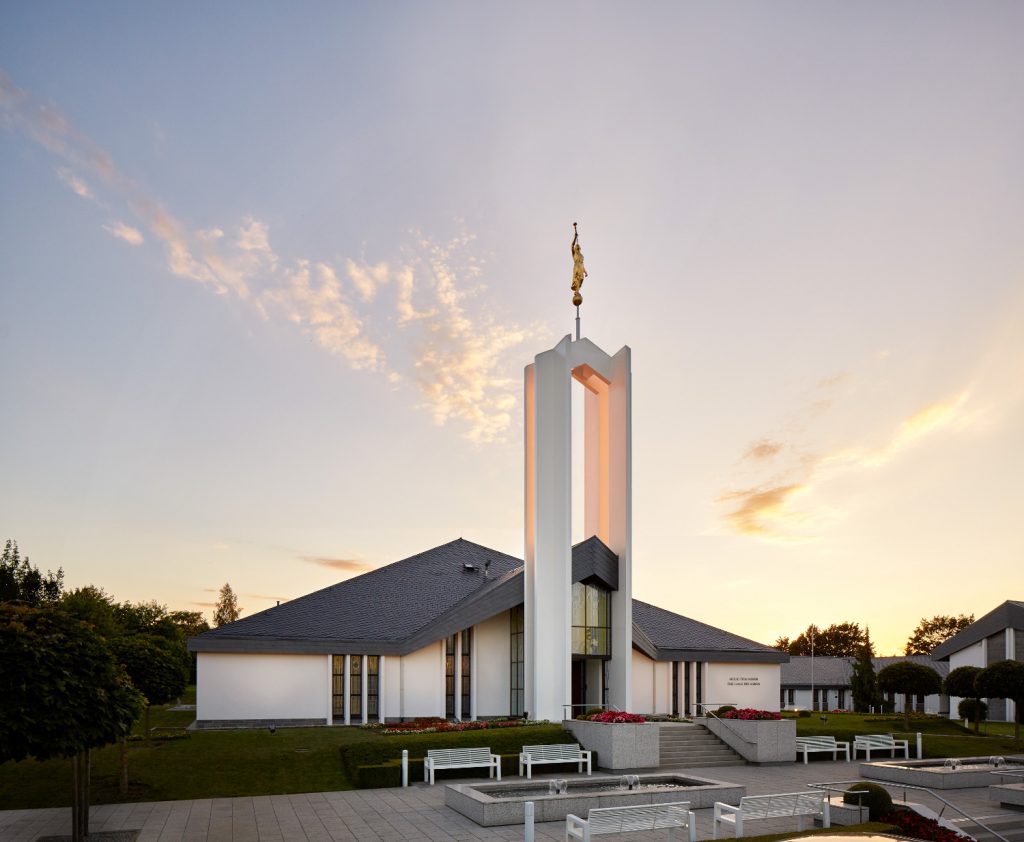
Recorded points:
21,582
841,640
782,644
961,682
61,694
189,623
863,682
227,610
1004,680
910,679
157,667
973,709
939,629
94,606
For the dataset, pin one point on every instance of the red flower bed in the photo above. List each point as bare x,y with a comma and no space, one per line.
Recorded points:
617,716
433,725
751,714
917,826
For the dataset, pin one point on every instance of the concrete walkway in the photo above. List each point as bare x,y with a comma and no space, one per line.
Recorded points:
416,813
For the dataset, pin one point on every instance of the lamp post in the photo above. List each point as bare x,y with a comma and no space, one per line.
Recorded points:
813,700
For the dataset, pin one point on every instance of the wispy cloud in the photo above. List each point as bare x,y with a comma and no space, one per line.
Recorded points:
447,346
74,183
770,509
349,565
124,232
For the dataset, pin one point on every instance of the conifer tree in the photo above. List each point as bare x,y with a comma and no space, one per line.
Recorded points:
227,610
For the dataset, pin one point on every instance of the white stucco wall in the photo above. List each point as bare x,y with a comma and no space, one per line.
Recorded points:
492,666
743,685
643,683
253,686
391,697
422,674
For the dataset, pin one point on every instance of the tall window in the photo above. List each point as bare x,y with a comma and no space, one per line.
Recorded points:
686,688
338,686
449,677
467,710
517,661
372,686
591,621
355,688
675,688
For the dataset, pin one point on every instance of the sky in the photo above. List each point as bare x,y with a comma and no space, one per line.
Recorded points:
270,274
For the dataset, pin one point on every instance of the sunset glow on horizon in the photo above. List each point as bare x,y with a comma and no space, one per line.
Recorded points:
268,283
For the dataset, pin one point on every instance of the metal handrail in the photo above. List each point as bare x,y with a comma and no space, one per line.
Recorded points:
708,712
830,786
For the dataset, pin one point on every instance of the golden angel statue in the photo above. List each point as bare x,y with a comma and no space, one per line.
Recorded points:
578,272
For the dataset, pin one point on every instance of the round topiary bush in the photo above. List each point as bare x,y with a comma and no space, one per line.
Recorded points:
876,798
803,714
725,709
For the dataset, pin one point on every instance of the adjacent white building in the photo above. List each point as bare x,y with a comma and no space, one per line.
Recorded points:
464,632
998,636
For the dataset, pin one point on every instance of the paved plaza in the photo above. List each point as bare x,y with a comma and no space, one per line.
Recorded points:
416,813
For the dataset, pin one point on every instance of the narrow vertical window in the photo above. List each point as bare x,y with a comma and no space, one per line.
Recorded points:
449,677
372,686
467,701
686,688
355,688
517,661
338,687
675,688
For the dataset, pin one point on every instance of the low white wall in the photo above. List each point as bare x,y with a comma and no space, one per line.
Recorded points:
422,692
743,685
493,657
252,686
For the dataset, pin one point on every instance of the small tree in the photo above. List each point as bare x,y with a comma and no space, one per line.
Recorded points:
961,682
863,682
939,629
840,640
910,679
61,694
973,709
227,610
1004,680
22,583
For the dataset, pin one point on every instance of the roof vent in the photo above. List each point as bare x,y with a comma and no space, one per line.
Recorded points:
468,566
487,566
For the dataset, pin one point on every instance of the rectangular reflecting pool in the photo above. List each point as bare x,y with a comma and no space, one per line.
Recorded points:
491,804
955,773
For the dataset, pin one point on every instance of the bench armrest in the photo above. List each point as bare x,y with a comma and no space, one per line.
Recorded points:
721,807
575,827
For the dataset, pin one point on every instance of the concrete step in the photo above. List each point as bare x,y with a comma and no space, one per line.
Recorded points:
1010,828
693,746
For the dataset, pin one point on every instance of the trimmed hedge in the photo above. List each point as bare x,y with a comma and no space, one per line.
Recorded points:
378,763
876,798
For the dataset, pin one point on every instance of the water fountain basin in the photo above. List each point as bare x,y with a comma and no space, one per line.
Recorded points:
493,804
941,774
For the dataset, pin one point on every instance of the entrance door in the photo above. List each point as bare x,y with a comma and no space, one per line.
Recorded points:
579,686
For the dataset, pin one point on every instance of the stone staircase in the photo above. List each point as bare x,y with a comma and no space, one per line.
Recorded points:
1009,827
685,745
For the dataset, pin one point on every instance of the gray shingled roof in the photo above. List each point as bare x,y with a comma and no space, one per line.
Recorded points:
836,672
667,636
402,607
1008,615
380,609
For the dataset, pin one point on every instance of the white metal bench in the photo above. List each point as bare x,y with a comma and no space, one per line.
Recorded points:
532,756
604,820
827,744
880,742
752,807
460,758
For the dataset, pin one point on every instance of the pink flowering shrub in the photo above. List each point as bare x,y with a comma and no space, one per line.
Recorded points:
617,716
751,714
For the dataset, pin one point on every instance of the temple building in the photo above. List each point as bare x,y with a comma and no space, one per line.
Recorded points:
464,632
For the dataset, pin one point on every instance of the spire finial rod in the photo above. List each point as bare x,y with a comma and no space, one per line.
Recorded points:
578,274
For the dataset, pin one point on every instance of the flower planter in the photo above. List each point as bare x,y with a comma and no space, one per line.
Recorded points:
619,745
757,741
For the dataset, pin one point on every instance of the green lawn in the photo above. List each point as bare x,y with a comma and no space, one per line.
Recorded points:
208,764
940,737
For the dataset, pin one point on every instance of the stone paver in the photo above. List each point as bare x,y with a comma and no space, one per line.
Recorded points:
416,814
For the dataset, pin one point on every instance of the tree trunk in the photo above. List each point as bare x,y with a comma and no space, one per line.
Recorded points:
123,784
80,803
